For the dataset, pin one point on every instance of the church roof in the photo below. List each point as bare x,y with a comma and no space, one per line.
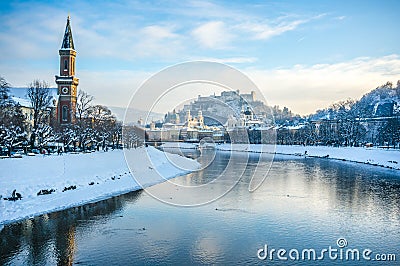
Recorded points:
68,42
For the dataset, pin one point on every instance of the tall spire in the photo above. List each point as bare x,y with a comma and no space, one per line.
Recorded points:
68,42
67,83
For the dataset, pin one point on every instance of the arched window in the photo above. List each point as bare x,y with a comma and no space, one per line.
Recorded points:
64,113
65,64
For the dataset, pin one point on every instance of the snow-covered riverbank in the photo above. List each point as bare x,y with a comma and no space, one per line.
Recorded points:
180,145
97,176
388,158
372,156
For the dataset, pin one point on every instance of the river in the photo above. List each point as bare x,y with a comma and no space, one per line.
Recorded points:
304,203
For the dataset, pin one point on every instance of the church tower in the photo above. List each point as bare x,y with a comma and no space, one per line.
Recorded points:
67,83
200,118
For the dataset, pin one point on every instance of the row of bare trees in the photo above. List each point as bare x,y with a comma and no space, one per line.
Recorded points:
344,125
40,99
95,126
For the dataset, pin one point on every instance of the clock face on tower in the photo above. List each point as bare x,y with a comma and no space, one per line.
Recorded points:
64,90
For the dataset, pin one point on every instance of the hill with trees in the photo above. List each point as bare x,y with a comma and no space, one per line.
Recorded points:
373,120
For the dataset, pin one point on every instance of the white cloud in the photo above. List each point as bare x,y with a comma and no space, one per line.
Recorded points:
28,36
340,17
267,29
160,41
304,89
112,88
21,77
206,10
220,34
214,35
232,60
263,31
151,36
158,32
126,39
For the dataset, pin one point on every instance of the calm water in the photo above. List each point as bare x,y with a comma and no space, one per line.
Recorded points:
304,203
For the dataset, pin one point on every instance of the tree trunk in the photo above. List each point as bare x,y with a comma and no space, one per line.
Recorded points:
32,140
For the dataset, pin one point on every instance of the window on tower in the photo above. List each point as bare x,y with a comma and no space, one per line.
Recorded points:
65,64
64,113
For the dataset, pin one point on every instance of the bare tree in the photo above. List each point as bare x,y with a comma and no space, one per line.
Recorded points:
83,105
133,136
83,111
103,122
389,132
40,98
116,136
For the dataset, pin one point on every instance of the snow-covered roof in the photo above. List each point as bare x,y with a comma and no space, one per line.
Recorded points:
68,79
295,127
21,101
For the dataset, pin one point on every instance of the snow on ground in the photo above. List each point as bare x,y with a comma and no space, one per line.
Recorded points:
180,145
373,156
97,176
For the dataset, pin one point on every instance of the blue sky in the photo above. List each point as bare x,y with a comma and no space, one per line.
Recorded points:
301,54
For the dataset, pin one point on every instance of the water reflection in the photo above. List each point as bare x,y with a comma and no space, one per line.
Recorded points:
303,203
50,238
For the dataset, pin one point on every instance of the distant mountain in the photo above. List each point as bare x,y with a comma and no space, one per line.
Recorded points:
133,115
384,101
